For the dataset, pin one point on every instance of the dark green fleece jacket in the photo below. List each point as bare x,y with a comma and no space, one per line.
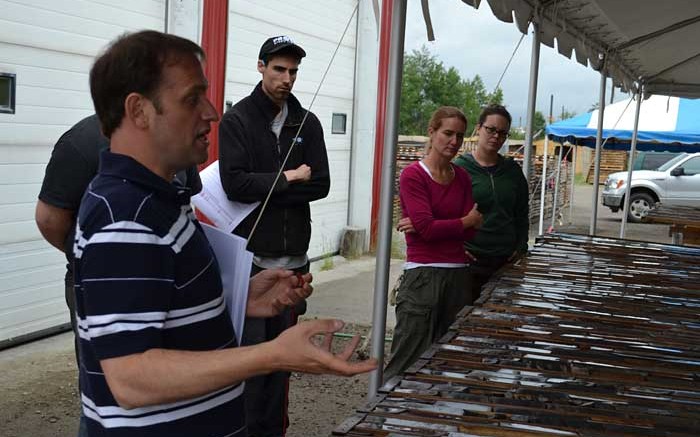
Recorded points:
503,200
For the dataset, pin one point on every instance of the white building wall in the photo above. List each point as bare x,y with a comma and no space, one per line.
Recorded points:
50,46
362,160
317,27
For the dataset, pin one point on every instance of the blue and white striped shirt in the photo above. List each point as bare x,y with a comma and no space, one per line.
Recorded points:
146,277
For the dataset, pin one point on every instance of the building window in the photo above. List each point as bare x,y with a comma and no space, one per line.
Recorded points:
339,123
7,93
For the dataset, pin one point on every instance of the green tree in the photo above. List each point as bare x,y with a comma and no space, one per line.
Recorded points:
477,97
538,124
566,114
428,84
516,134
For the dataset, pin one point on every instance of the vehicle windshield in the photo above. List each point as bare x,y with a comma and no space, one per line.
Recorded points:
672,162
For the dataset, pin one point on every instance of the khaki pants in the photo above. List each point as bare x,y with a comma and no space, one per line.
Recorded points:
427,301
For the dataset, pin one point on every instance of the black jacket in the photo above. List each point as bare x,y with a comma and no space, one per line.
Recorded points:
249,158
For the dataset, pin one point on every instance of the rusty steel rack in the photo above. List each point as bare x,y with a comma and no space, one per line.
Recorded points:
585,336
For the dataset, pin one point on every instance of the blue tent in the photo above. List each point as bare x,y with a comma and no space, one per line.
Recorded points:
665,123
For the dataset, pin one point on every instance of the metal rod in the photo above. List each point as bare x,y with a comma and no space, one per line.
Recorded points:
167,13
612,92
630,164
381,278
543,186
598,149
550,120
677,238
556,188
573,184
531,101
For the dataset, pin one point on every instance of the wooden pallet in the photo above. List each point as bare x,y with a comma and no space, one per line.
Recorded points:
611,161
684,221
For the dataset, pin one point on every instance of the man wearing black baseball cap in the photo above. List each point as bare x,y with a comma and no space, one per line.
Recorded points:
254,138
278,44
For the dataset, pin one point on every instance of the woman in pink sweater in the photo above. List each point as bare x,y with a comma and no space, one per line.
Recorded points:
439,215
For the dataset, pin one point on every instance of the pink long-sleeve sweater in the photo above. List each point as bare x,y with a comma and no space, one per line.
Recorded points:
435,211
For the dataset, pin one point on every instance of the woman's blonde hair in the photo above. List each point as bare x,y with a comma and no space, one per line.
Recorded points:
440,114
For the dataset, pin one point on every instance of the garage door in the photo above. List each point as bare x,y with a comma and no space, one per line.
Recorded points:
49,47
317,27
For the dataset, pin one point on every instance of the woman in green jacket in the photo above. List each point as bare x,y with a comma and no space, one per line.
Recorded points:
501,191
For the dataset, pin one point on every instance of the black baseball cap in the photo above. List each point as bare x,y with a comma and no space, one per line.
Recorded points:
280,43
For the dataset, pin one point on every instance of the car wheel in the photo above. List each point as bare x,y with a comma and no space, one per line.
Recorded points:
640,204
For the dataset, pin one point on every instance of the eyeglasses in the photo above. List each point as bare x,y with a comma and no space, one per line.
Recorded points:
492,130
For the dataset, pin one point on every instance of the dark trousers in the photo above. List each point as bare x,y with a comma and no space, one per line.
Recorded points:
427,301
482,270
266,396
70,303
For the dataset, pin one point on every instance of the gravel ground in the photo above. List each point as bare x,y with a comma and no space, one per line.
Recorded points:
317,404
39,381
40,397
39,390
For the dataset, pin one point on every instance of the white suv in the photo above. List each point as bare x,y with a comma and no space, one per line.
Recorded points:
676,182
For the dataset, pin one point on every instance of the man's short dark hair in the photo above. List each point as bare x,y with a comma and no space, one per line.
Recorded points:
134,63
495,110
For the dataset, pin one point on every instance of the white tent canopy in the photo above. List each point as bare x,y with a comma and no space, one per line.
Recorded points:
650,41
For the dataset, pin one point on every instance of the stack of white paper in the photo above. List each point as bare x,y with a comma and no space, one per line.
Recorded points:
235,263
213,202
234,260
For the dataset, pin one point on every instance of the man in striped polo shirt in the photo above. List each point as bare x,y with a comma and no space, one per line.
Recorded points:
157,349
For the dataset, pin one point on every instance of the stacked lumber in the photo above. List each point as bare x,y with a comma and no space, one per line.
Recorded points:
563,195
584,336
408,151
673,214
684,221
611,161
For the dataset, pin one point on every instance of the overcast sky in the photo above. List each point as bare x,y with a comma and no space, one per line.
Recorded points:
475,42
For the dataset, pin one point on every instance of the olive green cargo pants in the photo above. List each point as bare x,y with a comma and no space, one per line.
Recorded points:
427,301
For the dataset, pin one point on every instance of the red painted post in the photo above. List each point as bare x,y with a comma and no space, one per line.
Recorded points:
382,82
214,35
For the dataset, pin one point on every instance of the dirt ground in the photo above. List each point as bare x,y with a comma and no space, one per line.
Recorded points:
39,392
40,397
39,381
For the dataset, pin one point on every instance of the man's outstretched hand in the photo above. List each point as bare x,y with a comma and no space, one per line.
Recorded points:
295,350
271,291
